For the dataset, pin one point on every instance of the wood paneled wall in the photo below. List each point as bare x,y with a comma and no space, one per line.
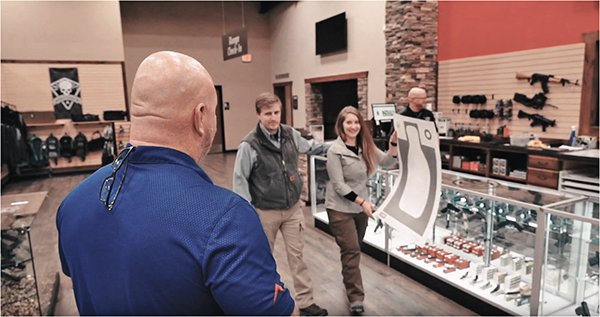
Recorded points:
495,76
27,85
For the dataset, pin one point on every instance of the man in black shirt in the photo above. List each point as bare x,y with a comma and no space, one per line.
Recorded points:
416,106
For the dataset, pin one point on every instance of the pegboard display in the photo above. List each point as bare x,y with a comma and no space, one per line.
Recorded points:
495,77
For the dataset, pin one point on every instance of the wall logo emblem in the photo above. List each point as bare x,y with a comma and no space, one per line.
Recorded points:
66,93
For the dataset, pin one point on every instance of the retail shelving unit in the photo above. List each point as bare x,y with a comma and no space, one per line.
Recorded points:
517,164
91,130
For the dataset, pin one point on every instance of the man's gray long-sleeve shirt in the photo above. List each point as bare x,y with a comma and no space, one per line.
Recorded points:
247,156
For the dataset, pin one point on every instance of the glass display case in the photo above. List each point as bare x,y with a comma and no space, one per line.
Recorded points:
569,269
20,296
487,241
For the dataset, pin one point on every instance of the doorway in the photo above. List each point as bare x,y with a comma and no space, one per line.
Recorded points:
337,95
284,92
218,145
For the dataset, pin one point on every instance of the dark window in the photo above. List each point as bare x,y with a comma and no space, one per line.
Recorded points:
336,96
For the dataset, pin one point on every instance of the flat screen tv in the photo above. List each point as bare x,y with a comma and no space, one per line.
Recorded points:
332,34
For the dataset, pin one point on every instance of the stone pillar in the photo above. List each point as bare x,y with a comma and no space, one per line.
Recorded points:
411,49
362,86
313,104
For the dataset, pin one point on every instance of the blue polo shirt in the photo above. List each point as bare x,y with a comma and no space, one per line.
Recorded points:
174,244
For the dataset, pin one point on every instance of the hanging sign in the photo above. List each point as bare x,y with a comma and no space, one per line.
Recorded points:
235,44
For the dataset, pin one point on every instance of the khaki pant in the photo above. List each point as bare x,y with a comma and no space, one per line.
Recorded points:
290,223
349,231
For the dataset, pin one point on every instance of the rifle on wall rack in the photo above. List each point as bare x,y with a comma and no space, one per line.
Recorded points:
537,120
544,79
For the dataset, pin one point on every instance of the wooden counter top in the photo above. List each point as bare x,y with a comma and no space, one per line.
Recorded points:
586,156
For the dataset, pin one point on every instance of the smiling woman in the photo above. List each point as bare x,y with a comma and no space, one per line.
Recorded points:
352,158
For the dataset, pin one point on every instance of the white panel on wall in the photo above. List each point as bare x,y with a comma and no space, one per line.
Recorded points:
27,86
495,76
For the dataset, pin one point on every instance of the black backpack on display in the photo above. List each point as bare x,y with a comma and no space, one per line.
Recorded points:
96,143
53,148
66,146
80,144
36,147
108,155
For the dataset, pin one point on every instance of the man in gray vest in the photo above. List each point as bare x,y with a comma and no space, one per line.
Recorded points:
266,174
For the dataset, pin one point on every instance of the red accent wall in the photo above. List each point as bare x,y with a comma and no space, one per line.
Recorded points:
475,28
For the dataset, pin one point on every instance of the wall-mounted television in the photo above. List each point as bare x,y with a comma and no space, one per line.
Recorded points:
332,34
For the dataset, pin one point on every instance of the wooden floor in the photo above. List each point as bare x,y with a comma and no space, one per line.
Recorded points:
388,292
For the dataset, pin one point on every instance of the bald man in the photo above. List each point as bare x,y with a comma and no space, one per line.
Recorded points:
417,98
150,234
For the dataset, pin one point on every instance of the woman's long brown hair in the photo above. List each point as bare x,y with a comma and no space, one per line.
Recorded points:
363,139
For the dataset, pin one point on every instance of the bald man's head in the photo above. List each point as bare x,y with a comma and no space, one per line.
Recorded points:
173,103
417,98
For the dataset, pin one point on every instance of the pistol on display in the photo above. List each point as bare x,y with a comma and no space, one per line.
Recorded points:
379,225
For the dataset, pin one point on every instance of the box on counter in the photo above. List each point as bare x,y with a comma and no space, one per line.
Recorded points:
462,264
450,258
458,243
457,161
502,170
478,269
440,254
500,277
495,169
478,250
517,263
495,254
489,272
468,247
506,259
512,282
528,267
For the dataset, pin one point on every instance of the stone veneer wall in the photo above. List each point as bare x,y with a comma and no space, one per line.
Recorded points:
314,101
362,86
314,104
411,49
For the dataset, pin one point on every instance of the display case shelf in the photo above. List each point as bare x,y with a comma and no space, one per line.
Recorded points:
468,171
509,178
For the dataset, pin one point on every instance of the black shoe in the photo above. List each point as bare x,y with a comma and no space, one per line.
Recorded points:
313,310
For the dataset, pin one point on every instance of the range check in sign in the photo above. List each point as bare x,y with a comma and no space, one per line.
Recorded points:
235,44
